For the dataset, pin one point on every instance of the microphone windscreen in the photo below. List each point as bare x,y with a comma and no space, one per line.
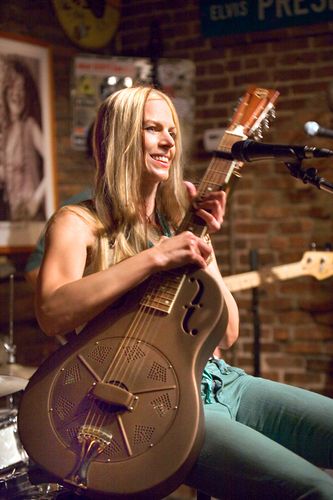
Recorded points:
311,128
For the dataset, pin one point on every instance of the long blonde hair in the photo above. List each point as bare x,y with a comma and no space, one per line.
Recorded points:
119,156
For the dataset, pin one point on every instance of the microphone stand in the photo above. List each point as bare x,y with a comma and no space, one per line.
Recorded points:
256,318
309,175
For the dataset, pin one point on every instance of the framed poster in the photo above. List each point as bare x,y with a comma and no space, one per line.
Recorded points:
27,170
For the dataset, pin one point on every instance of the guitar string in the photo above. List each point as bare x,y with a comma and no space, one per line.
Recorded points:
136,330
134,333
130,334
154,290
144,322
242,106
138,327
94,418
154,293
214,179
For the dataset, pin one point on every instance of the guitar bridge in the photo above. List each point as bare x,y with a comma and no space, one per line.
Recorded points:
93,441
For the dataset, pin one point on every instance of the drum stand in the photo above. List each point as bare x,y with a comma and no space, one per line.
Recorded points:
18,478
9,346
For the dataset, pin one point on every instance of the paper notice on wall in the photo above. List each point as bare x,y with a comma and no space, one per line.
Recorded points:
94,78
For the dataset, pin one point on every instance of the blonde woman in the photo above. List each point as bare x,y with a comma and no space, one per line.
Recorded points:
262,438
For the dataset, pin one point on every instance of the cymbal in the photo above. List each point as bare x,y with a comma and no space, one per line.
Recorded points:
16,370
9,385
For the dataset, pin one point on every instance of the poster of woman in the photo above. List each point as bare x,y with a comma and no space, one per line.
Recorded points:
27,186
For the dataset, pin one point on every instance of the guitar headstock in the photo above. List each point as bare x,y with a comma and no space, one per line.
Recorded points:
318,264
253,113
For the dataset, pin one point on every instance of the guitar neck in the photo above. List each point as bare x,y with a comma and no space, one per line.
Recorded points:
255,108
217,175
253,279
254,111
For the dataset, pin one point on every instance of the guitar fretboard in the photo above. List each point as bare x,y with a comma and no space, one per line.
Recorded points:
162,291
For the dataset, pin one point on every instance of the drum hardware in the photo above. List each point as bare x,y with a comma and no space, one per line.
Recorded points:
17,479
12,453
21,486
9,385
15,466
11,368
17,370
9,348
9,345
6,268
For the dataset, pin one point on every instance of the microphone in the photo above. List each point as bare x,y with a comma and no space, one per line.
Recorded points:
251,151
313,128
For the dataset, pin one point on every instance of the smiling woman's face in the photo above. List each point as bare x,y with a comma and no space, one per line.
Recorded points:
16,96
159,132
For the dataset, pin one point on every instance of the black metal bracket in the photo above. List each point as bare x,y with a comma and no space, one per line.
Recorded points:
309,175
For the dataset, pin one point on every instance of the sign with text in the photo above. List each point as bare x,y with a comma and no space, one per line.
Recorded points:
227,17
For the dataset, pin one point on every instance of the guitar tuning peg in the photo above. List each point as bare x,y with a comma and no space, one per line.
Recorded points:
259,134
266,123
237,105
313,246
272,113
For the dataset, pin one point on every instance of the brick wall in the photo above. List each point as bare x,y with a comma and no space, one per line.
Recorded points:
270,211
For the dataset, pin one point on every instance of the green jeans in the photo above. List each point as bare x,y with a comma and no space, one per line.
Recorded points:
264,440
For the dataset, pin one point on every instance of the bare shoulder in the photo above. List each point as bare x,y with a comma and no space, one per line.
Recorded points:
73,222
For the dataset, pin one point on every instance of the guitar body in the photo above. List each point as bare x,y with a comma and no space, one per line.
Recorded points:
117,411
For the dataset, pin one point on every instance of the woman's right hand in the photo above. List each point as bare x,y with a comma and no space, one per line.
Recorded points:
180,250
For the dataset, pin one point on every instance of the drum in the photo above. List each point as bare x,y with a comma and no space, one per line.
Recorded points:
12,452
17,485
20,479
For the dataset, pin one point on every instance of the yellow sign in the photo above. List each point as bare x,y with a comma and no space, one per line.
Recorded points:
90,25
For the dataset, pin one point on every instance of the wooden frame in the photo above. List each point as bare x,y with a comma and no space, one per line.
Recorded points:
27,158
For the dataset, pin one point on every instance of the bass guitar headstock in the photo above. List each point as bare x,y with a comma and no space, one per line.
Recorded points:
318,264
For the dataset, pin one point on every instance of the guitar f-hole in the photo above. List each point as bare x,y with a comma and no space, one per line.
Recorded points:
192,307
